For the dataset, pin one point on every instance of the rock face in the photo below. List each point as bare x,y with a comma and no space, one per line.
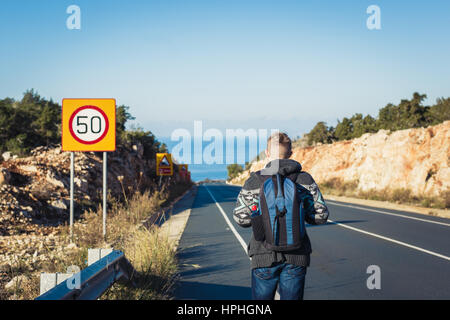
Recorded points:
4,176
37,187
34,200
414,159
15,282
6,156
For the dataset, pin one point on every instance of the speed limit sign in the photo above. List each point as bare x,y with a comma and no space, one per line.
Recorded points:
89,125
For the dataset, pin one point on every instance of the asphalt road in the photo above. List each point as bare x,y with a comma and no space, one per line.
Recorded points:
411,250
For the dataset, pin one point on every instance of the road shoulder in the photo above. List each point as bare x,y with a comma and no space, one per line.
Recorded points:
393,206
174,226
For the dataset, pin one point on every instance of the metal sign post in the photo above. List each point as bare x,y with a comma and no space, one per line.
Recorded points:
88,125
105,186
72,160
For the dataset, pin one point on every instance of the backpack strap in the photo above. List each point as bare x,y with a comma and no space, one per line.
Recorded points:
280,204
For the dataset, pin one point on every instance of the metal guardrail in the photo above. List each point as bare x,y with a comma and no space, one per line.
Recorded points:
94,280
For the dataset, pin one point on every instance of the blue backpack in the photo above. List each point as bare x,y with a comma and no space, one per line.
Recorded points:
279,219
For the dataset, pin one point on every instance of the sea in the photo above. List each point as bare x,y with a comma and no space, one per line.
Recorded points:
215,171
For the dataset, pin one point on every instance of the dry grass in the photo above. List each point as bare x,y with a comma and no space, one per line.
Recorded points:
25,287
149,253
153,258
339,187
121,217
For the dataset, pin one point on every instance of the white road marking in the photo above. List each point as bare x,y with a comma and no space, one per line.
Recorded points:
389,213
277,295
392,240
237,235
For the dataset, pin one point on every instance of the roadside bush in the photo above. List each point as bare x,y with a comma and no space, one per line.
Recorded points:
234,170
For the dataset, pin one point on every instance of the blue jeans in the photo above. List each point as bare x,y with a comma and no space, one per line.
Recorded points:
289,278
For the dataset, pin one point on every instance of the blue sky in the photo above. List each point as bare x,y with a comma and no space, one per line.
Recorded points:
233,64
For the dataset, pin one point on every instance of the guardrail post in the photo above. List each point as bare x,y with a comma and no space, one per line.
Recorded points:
51,280
96,254
91,282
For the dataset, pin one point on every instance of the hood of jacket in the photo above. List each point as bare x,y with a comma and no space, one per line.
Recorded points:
282,166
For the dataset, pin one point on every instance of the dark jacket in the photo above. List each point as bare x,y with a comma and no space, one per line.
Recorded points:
314,204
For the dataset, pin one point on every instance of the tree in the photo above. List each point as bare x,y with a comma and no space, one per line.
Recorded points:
122,116
440,112
34,121
146,138
360,125
388,117
6,126
344,130
320,133
412,112
31,97
48,123
408,114
234,170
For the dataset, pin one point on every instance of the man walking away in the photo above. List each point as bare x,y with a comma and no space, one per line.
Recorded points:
276,202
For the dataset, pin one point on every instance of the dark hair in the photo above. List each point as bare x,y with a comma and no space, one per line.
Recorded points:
284,144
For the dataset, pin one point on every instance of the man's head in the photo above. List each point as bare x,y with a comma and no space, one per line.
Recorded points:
279,146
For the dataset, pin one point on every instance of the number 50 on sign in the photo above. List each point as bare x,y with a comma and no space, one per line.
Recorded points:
89,125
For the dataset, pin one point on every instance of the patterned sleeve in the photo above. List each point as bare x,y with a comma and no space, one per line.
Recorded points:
320,213
247,197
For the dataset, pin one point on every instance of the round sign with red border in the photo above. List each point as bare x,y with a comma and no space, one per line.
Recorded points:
88,124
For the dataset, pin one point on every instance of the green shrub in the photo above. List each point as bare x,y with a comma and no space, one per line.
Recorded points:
407,114
43,119
234,170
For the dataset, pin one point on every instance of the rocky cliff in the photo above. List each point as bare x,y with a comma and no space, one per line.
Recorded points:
34,201
413,159
36,188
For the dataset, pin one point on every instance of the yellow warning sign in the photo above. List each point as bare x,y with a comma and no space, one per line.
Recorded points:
183,171
88,125
164,165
